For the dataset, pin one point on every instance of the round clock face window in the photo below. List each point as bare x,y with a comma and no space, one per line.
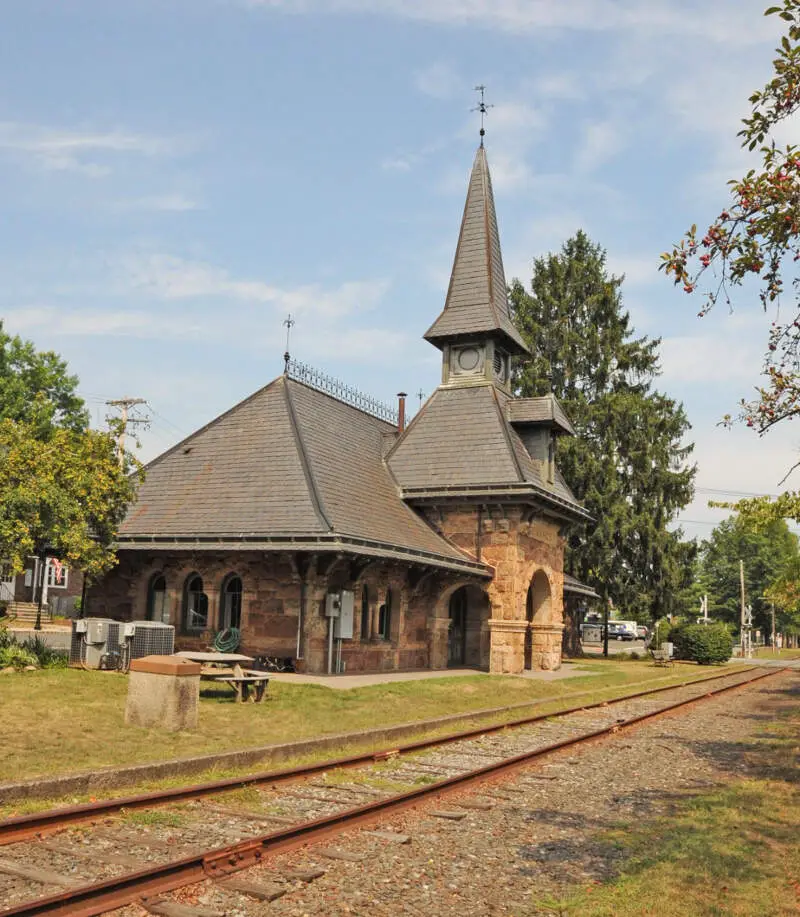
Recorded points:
468,359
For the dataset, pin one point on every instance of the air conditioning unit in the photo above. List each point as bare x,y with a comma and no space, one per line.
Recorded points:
149,638
93,638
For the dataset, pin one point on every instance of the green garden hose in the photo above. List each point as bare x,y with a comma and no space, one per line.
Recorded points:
228,640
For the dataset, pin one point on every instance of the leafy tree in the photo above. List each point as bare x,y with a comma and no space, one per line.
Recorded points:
770,557
756,238
35,387
61,484
629,462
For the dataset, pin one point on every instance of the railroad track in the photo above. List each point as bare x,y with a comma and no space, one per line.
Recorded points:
87,860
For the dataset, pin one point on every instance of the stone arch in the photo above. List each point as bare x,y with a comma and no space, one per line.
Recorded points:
468,642
438,616
539,605
543,631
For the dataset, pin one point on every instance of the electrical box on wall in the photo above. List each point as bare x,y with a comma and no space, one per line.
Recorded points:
344,623
333,604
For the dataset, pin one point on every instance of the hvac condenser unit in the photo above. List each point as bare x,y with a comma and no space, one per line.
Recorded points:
149,638
93,638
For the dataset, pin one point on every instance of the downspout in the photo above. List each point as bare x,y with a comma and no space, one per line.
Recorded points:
478,533
301,618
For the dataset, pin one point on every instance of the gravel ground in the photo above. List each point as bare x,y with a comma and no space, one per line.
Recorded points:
533,834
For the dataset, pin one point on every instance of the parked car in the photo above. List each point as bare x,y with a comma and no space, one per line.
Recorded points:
621,630
641,632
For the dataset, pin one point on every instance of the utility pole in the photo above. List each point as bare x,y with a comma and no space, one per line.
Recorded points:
124,405
743,610
772,639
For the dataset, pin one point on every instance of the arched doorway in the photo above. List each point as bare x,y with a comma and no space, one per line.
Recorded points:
468,635
538,611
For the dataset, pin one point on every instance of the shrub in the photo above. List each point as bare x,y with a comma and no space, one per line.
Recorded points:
703,643
17,657
6,639
46,656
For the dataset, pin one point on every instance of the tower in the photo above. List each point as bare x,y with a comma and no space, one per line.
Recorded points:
478,465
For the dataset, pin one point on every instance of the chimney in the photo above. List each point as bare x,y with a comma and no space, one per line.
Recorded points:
401,411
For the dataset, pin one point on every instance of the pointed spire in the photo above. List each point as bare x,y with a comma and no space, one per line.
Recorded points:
476,299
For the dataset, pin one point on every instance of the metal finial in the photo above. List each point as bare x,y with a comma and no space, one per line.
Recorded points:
289,322
483,108
420,395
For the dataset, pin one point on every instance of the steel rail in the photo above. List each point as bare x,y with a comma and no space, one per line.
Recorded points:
95,899
24,827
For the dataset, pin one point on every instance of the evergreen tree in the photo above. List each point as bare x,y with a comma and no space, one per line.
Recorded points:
629,462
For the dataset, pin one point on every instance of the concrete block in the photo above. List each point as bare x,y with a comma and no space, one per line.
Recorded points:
163,693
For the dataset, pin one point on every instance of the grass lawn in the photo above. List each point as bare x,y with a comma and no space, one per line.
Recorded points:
767,653
68,720
732,852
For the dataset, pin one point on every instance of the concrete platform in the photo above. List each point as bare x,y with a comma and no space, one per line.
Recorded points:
346,682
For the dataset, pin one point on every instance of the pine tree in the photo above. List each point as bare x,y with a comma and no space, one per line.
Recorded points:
629,462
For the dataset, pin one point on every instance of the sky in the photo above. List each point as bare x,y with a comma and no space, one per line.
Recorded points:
179,175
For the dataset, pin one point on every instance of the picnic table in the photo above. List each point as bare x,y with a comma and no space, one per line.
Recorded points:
226,668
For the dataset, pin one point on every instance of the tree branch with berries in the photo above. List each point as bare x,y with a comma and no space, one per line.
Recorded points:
757,237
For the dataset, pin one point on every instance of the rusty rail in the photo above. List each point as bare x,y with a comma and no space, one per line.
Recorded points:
24,827
91,900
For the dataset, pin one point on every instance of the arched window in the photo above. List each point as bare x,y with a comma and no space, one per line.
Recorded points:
364,612
385,617
157,609
195,604
231,604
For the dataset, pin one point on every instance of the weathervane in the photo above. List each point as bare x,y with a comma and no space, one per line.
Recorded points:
482,107
289,322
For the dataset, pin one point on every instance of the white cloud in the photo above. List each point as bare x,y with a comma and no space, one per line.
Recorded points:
171,278
76,151
99,322
729,349
714,19
168,203
439,81
601,141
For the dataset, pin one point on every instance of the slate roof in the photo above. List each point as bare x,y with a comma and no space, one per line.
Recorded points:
545,409
289,466
461,442
477,301
576,587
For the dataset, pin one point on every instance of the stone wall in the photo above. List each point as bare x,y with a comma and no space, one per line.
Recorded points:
518,545
274,587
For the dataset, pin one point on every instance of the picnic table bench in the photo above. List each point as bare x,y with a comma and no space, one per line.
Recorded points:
663,655
247,684
242,681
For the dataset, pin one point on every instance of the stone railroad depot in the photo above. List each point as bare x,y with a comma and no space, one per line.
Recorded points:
328,532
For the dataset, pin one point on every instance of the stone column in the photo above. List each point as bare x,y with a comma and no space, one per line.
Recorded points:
438,631
546,642
507,653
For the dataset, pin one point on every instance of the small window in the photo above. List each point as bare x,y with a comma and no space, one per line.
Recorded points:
195,604
57,574
385,617
157,609
500,365
551,459
231,603
364,633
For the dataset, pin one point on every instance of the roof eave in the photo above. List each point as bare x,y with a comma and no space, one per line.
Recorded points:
228,541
